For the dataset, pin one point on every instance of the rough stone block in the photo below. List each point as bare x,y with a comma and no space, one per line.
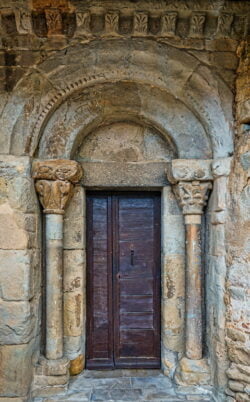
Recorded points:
52,367
189,169
193,372
173,234
15,361
12,236
17,324
15,275
170,205
74,221
74,345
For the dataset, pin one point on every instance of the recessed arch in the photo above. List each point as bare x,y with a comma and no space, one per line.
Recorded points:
141,62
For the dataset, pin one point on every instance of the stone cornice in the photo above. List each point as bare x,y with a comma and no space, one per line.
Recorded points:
175,19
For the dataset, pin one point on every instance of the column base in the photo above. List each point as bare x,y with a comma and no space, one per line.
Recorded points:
51,377
192,372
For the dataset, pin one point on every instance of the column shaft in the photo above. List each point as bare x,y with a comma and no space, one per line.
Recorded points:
193,292
54,286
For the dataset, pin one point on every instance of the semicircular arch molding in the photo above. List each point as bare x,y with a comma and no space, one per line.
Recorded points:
175,78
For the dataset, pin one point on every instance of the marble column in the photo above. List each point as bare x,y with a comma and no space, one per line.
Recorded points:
191,181
54,180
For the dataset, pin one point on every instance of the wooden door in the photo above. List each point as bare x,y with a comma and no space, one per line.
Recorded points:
123,280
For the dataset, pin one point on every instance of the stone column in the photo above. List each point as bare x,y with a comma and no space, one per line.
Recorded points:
54,181
191,179
192,197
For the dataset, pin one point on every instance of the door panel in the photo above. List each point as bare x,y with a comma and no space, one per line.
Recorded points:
99,283
123,248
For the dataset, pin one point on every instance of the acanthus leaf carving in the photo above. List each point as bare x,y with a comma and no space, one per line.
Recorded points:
82,23
140,23
53,21
168,24
192,196
54,195
197,23
112,22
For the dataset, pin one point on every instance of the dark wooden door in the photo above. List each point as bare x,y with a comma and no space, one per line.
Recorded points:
123,280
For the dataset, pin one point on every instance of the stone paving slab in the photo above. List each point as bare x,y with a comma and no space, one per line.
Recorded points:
131,385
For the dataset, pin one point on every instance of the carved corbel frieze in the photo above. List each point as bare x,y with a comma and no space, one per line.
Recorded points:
197,23
53,21
82,24
54,181
112,23
140,24
168,24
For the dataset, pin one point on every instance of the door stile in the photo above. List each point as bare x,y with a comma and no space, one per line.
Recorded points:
116,276
157,271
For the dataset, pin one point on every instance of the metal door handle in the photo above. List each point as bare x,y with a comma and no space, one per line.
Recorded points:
132,257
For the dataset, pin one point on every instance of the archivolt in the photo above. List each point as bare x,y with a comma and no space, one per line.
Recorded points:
174,76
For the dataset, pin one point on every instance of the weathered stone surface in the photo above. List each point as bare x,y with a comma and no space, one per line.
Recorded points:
17,321
16,275
74,221
191,372
15,361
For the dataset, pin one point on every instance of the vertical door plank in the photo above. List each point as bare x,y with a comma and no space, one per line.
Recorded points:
99,283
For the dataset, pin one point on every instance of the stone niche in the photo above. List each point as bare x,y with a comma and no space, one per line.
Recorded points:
125,153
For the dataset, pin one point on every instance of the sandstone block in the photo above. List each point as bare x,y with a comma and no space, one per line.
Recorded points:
15,274
236,386
50,380
52,367
242,397
17,324
11,235
235,374
239,353
173,241
15,361
74,221
192,372
49,391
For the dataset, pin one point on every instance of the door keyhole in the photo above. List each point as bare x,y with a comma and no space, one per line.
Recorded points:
132,257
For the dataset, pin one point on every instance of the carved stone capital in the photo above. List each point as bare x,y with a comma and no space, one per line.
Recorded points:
192,196
54,181
54,195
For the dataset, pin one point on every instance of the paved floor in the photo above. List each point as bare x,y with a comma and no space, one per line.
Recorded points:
127,385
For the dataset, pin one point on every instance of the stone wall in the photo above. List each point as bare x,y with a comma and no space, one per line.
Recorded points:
170,67
238,240
20,273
